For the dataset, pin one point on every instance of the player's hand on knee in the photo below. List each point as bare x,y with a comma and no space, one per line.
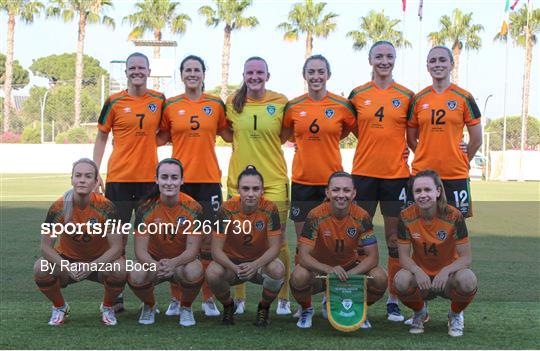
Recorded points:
340,272
247,270
439,282
165,268
422,280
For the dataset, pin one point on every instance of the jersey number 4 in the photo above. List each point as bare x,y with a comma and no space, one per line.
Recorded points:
380,113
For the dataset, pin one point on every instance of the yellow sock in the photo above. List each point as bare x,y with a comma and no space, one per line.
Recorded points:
240,291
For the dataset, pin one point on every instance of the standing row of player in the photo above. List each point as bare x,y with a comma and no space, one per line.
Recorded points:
259,120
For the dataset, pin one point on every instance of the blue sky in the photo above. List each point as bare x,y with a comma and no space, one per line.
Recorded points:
481,72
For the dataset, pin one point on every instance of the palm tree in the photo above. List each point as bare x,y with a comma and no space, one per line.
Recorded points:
523,32
459,33
308,18
88,11
154,16
231,13
375,27
24,10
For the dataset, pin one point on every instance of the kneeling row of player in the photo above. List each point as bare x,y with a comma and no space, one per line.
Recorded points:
335,233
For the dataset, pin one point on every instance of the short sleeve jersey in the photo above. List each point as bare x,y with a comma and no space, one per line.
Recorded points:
433,244
170,241
317,129
334,240
83,246
193,125
256,139
134,121
440,119
246,235
382,128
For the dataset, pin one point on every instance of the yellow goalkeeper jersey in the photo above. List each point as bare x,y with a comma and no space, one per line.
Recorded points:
256,139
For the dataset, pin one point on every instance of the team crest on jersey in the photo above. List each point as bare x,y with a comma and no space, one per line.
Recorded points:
351,231
180,220
208,110
92,222
152,107
441,234
329,112
396,103
271,109
347,303
259,225
295,211
451,104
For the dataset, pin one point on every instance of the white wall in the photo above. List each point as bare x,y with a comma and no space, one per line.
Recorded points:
57,158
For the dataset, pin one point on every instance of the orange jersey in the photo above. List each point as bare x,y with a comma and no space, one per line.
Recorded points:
440,119
193,125
84,247
334,240
382,129
246,236
134,121
169,242
317,129
433,244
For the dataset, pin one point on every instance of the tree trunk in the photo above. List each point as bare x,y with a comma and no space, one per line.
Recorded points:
526,86
79,66
225,56
456,51
309,51
8,77
157,55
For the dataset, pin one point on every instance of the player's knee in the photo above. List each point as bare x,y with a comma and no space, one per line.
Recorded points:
300,277
272,284
466,280
214,273
379,280
138,278
41,268
119,273
192,271
275,269
403,280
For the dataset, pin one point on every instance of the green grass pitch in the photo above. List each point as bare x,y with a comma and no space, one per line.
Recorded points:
505,236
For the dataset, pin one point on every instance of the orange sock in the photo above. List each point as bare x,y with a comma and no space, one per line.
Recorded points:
176,291
50,287
393,267
460,301
190,292
412,299
302,296
268,297
113,288
144,292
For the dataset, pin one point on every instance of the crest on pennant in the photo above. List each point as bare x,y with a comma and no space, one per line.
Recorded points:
347,303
